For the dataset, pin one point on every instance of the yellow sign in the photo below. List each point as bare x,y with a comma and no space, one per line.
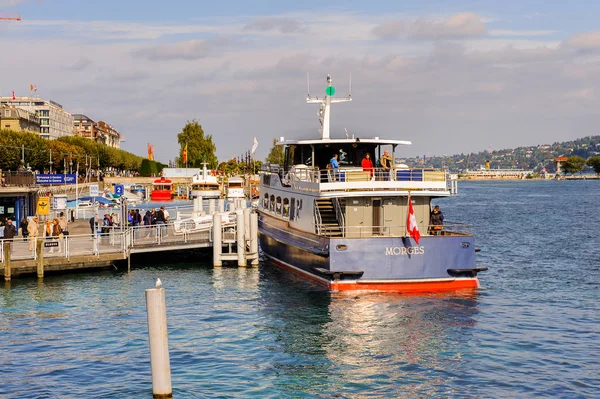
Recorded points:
43,206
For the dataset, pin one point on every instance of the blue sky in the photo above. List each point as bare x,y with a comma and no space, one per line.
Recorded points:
450,76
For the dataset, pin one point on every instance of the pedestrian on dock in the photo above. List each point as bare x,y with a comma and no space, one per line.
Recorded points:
33,230
64,224
10,231
94,224
160,221
24,231
147,223
57,234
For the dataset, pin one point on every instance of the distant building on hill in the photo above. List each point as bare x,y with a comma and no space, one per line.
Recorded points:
100,132
55,122
18,119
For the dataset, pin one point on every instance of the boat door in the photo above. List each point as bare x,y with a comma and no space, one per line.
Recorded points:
392,217
358,217
377,216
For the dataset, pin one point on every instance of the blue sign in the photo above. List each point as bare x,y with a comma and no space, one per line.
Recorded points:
119,189
47,179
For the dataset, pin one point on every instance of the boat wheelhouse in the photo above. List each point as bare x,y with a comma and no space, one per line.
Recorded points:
205,185
345,226
235,187
162,190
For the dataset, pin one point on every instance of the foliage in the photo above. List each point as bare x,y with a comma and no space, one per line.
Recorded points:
594,162
67,152
200,147
232,167
275,154
574,164
148,168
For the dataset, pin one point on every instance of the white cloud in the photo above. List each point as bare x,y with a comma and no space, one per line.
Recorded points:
584,41
461,25
281,24
444,95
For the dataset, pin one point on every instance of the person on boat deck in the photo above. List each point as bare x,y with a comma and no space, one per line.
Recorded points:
437,220
334,165
367,164
386,164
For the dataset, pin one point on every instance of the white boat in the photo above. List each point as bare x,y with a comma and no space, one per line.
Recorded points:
202,223
332,216
235,187
205,185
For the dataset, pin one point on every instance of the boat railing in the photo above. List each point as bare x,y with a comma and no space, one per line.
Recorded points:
339,211
318,221
364,231
357,178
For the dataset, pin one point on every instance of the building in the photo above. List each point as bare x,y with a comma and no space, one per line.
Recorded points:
55,122
112,138
100,132
19,120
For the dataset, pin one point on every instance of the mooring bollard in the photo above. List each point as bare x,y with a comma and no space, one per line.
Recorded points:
254,237
246,225
39,247
232,206
6,260
217,240
221,205
159,342
240,239
211,206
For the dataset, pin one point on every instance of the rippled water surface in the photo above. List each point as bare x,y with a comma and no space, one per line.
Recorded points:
532,330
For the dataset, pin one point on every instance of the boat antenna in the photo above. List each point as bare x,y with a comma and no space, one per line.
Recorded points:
350,87
308,84
324,112
346,131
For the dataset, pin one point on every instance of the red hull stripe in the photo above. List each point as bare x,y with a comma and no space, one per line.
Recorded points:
392,286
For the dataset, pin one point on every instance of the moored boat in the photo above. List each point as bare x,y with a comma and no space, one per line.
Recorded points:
162,190
205,185
235,187
343,223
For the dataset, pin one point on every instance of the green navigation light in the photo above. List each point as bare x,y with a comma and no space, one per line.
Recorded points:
330,91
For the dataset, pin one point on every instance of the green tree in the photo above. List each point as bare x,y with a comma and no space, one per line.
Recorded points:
574,164
275,154
594,162
200,147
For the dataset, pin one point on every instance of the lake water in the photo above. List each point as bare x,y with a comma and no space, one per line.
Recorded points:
531,331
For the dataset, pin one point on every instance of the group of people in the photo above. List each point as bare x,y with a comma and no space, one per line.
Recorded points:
154,217
52,229
383,171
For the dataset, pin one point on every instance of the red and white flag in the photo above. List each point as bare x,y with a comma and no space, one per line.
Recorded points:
14,98
411,222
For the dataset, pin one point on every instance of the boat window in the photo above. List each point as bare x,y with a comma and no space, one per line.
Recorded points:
278,205
272,204
292,209
266,202
286,208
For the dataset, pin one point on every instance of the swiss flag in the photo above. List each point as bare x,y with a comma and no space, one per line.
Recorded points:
411,222
14,98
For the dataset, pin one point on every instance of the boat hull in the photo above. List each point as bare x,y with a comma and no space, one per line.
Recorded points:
206,194
161,196
371,264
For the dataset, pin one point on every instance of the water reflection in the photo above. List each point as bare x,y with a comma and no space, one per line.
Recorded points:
344,345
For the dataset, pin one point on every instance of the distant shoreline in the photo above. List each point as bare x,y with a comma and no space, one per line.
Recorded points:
586,177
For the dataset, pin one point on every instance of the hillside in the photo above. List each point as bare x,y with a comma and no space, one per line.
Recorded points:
530,158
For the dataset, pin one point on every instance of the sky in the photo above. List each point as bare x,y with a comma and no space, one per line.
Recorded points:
450,76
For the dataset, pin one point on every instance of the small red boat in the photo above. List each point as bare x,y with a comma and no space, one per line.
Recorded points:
162,190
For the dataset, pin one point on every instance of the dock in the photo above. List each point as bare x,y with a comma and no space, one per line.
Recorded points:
234,239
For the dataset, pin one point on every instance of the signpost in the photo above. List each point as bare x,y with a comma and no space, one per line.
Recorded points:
119,189
94,190
51,179
43,206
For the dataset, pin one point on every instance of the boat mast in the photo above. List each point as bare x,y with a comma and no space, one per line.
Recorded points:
324,112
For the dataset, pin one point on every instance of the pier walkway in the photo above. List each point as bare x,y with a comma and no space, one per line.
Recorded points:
88,251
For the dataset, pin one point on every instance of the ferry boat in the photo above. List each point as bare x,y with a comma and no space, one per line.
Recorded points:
162,190
235,187
205,185
346,227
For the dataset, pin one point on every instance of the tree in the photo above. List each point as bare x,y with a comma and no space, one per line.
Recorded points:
276,154
574,164
200,147
594,162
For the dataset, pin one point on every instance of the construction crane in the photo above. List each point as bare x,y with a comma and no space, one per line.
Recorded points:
10,16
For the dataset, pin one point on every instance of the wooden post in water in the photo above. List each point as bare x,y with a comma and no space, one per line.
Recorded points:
39,247
159,343
211,206
217,240
232,205
221,205
246,225
240,239
254,236
6,249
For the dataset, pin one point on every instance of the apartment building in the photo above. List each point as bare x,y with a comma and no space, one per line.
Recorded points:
55,121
